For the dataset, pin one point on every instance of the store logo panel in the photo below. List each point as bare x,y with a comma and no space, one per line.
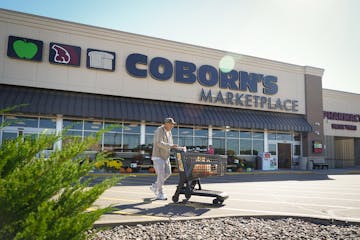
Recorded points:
64,54
25,48
98,59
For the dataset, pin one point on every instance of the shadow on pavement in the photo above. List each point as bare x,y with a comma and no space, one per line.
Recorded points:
181,209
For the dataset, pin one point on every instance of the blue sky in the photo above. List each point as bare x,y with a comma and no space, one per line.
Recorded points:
318,33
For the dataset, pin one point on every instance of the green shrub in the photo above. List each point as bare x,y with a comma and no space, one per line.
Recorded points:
48,198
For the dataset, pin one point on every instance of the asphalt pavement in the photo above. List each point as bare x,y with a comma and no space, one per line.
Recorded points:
328,195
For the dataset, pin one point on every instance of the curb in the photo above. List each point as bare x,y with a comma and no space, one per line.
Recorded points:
315,220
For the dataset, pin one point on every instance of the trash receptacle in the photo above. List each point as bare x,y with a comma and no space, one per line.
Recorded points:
258,163
267,161
310,164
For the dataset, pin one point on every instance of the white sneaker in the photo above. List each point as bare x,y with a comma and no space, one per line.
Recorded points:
161,196
153,188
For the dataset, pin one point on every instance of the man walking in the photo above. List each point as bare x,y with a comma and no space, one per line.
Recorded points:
163,143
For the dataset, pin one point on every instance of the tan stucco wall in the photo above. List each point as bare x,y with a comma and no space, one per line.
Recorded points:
120,83
341,102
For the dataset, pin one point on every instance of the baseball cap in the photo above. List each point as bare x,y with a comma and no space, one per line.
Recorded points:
169,120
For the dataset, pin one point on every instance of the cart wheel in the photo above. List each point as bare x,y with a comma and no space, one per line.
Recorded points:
175,198
218,201
187,194
193,184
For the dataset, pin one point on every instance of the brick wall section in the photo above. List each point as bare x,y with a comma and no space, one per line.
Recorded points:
314,114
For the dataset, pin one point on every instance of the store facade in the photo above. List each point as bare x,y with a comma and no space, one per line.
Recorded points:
342,128
86,78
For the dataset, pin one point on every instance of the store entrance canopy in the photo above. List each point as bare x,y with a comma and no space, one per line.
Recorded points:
85,105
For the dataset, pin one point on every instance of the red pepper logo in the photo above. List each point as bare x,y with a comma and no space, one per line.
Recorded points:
61,55
64,54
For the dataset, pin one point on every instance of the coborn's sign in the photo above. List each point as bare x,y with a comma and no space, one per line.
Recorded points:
162,69
187,72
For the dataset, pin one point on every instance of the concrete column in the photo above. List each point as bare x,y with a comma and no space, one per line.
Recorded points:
142,133
59,128
314,111
210,135
266,142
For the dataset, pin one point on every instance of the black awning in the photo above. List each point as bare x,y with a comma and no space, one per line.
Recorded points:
74,104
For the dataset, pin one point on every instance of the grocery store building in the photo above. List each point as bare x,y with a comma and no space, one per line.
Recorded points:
341,128
86,77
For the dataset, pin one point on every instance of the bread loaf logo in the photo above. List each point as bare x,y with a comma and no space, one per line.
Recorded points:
99,59
64,54
24,48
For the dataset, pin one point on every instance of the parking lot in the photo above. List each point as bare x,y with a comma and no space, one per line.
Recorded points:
320,194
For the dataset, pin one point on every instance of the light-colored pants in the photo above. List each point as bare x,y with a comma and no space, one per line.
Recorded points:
163,172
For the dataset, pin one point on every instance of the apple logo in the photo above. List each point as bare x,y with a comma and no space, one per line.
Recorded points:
24,49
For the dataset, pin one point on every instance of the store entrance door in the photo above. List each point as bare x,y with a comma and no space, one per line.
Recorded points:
284,155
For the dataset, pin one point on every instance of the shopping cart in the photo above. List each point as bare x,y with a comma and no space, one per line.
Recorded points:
193,166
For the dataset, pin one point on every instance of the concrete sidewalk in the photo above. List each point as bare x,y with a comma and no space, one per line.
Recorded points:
332,195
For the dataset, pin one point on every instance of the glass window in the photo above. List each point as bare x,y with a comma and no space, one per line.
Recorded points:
95,127
131,137
47,123
73,124
258,146
175,134
201,132
149,139
50,146
149,134
245,147
219,145
74,133
271,136
217,133
258,135
131,141
202,143
72,137
92,125
131,128
22,121
186,137
297,150
284,137
219,141
112,141
233,145
89,133
150,129
95,146
201,138
245,134
272,149
8,136
232,134
115,126
30,135
297,137
185,132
